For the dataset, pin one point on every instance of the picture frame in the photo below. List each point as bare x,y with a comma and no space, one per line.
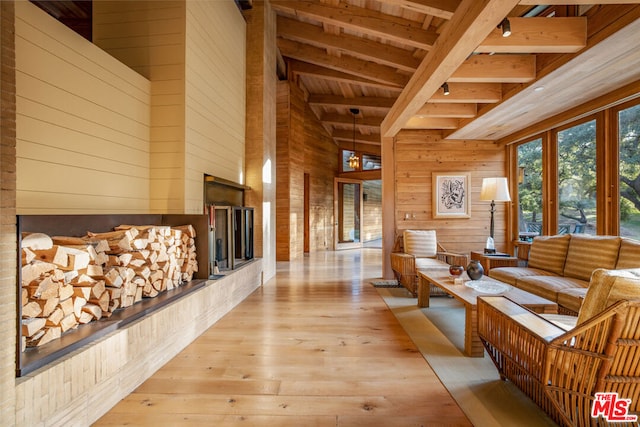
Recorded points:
451,194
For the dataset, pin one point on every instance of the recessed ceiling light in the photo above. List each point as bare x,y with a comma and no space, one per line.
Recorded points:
538,89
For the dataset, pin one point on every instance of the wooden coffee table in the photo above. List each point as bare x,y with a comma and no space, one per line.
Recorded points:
468,297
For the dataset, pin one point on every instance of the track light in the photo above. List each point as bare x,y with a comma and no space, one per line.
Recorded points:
506,27
445,88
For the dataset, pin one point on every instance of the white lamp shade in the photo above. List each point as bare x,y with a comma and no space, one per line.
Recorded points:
495,189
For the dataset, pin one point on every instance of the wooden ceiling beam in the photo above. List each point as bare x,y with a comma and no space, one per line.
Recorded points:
347,135
355,46
316,71
538,35
346,64
496,69
471,23
438,8
448,110
431,123
363,20
347,120
369,102
478,93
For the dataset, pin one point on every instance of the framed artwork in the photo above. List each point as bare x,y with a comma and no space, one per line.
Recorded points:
451,194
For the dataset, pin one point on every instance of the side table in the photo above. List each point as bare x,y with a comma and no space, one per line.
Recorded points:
489,261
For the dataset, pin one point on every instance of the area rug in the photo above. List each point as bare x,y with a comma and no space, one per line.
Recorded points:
386,284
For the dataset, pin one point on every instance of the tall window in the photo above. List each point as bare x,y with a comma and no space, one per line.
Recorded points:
530,189
629,158
577,179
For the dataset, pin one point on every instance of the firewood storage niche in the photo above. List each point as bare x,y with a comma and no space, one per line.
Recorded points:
78,225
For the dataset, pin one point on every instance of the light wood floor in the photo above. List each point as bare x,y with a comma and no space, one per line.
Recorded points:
319,346
316,346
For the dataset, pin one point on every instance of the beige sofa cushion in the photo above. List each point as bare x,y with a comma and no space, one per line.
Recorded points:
549,286
420,243
572,298
586,253
549,253
608,287
629,256
511,274
431,263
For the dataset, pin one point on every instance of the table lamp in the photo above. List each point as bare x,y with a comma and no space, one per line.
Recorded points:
494,190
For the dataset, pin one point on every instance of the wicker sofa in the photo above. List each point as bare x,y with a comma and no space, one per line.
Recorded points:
560,266
561,362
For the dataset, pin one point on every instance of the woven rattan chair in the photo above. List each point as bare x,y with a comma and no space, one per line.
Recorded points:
561,366
422,251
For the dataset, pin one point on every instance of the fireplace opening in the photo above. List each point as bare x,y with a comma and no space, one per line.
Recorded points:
230,224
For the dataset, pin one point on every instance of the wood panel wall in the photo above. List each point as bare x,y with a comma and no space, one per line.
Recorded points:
149,37
420,153
304,147
8,238
260,149
215,81
321,163
290,172
82,123
194,55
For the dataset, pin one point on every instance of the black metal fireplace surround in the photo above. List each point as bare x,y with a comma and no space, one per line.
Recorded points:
79,225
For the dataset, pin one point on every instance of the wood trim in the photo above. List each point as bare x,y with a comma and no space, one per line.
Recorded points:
549,183
389,205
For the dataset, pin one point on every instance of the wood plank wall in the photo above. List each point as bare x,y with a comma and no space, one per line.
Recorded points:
215,96
420,153
8,238
82,123
290,172
321,163
149,37
303,147
260,149
194,55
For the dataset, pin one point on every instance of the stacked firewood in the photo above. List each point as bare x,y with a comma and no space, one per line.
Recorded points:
69,281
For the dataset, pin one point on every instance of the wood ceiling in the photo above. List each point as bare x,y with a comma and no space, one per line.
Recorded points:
390,59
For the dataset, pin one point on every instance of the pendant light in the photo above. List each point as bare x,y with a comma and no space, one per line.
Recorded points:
354,161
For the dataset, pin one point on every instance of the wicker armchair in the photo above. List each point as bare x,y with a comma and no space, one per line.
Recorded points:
561,366
419,249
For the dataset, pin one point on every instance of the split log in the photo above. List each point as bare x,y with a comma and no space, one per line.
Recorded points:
55,317
31,309
36,241
68,322
94,310
47,306
31,326
31,272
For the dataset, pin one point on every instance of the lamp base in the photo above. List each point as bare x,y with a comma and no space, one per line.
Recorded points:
489,251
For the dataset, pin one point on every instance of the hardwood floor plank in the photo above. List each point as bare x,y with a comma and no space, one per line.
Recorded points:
316,346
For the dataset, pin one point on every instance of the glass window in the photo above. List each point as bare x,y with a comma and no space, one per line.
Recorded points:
530,189
371,162
577,179
629,147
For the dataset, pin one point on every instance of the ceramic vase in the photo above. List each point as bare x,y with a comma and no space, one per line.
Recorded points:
456,270
475,270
